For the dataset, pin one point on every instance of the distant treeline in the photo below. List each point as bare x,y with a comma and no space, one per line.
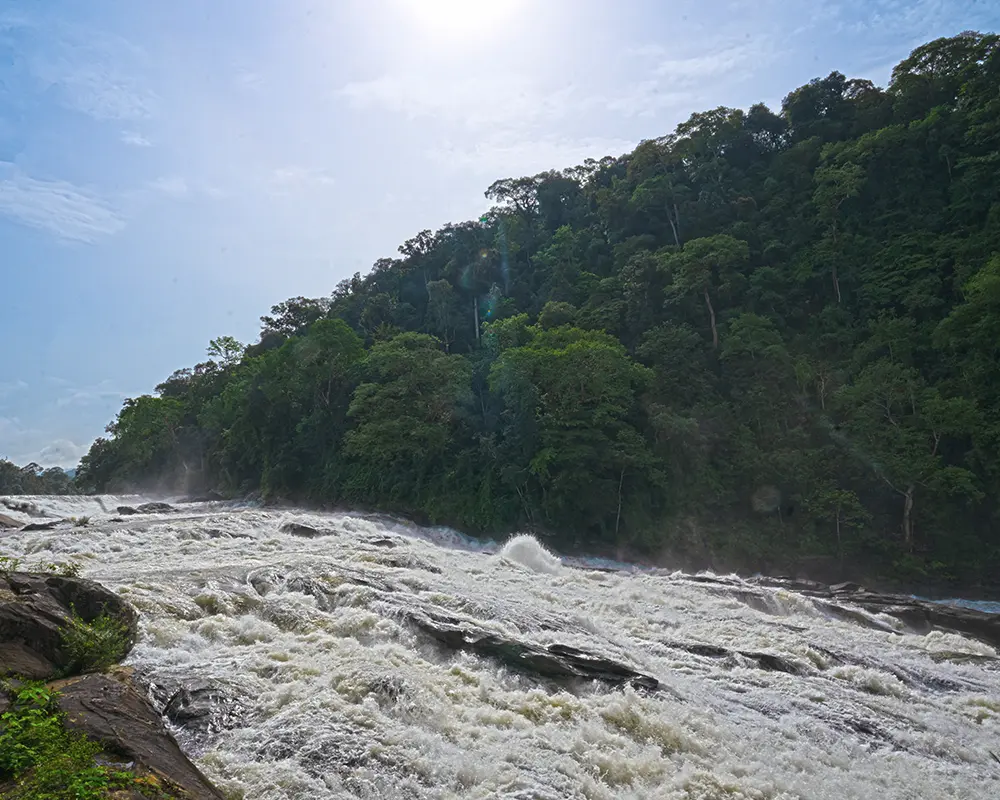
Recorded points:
33,479
763,337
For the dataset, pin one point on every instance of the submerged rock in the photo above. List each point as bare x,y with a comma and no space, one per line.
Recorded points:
114,714
41,526
36,609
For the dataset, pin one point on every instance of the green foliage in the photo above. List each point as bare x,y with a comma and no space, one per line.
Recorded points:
65,569
44,761
94,646
628,351
33,479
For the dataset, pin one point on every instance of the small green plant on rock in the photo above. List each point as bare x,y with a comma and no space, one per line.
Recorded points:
64,569
9,564
94,646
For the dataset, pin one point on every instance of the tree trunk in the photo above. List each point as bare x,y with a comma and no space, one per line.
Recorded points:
908,516
711,315
475,312
836,282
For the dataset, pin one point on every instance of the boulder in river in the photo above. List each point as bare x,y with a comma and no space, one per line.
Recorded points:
303,531
35,612
111,712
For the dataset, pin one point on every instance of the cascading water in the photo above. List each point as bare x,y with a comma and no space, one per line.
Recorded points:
303,671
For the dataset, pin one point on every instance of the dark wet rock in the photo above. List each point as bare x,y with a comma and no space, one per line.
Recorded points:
383,542
9,522
556,661
34,611
204,710
302,530
920,616
155,508
847,614
145,508
408,561
41,526
769,662
122,720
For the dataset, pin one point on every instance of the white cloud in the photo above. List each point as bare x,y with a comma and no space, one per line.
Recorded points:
135,139
8,388
510,155
175,186
61,453
92,71
476,101
89,396
300,176
59,207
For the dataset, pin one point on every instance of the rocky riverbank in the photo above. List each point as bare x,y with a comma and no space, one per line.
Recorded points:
69,716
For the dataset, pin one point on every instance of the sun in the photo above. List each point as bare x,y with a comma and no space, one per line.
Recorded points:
460,18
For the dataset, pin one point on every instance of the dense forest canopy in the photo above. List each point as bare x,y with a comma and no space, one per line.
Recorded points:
765,336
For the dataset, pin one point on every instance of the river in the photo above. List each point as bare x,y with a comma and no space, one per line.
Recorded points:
324,688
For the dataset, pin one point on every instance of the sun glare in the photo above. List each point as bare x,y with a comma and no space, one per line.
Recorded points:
461,18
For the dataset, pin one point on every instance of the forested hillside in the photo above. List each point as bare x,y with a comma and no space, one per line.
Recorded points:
765,336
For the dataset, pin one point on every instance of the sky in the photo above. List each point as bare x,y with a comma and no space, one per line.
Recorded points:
169,171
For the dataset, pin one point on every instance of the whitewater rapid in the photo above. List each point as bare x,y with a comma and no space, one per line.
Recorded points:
328,691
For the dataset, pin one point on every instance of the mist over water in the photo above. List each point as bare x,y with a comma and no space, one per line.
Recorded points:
326,690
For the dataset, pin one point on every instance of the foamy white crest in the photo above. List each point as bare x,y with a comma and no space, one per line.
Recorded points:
526,551
338,696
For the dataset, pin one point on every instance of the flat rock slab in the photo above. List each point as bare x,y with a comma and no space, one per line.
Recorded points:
8,523
41,526
35,610
145,508
555,661
122,720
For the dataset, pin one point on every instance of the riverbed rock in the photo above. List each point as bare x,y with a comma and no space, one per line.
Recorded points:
204,709
7,523
920,616
155,508
110,711
35,610
556,661
303,531
40,526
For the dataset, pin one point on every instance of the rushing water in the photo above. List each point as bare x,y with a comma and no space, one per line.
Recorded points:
332,693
